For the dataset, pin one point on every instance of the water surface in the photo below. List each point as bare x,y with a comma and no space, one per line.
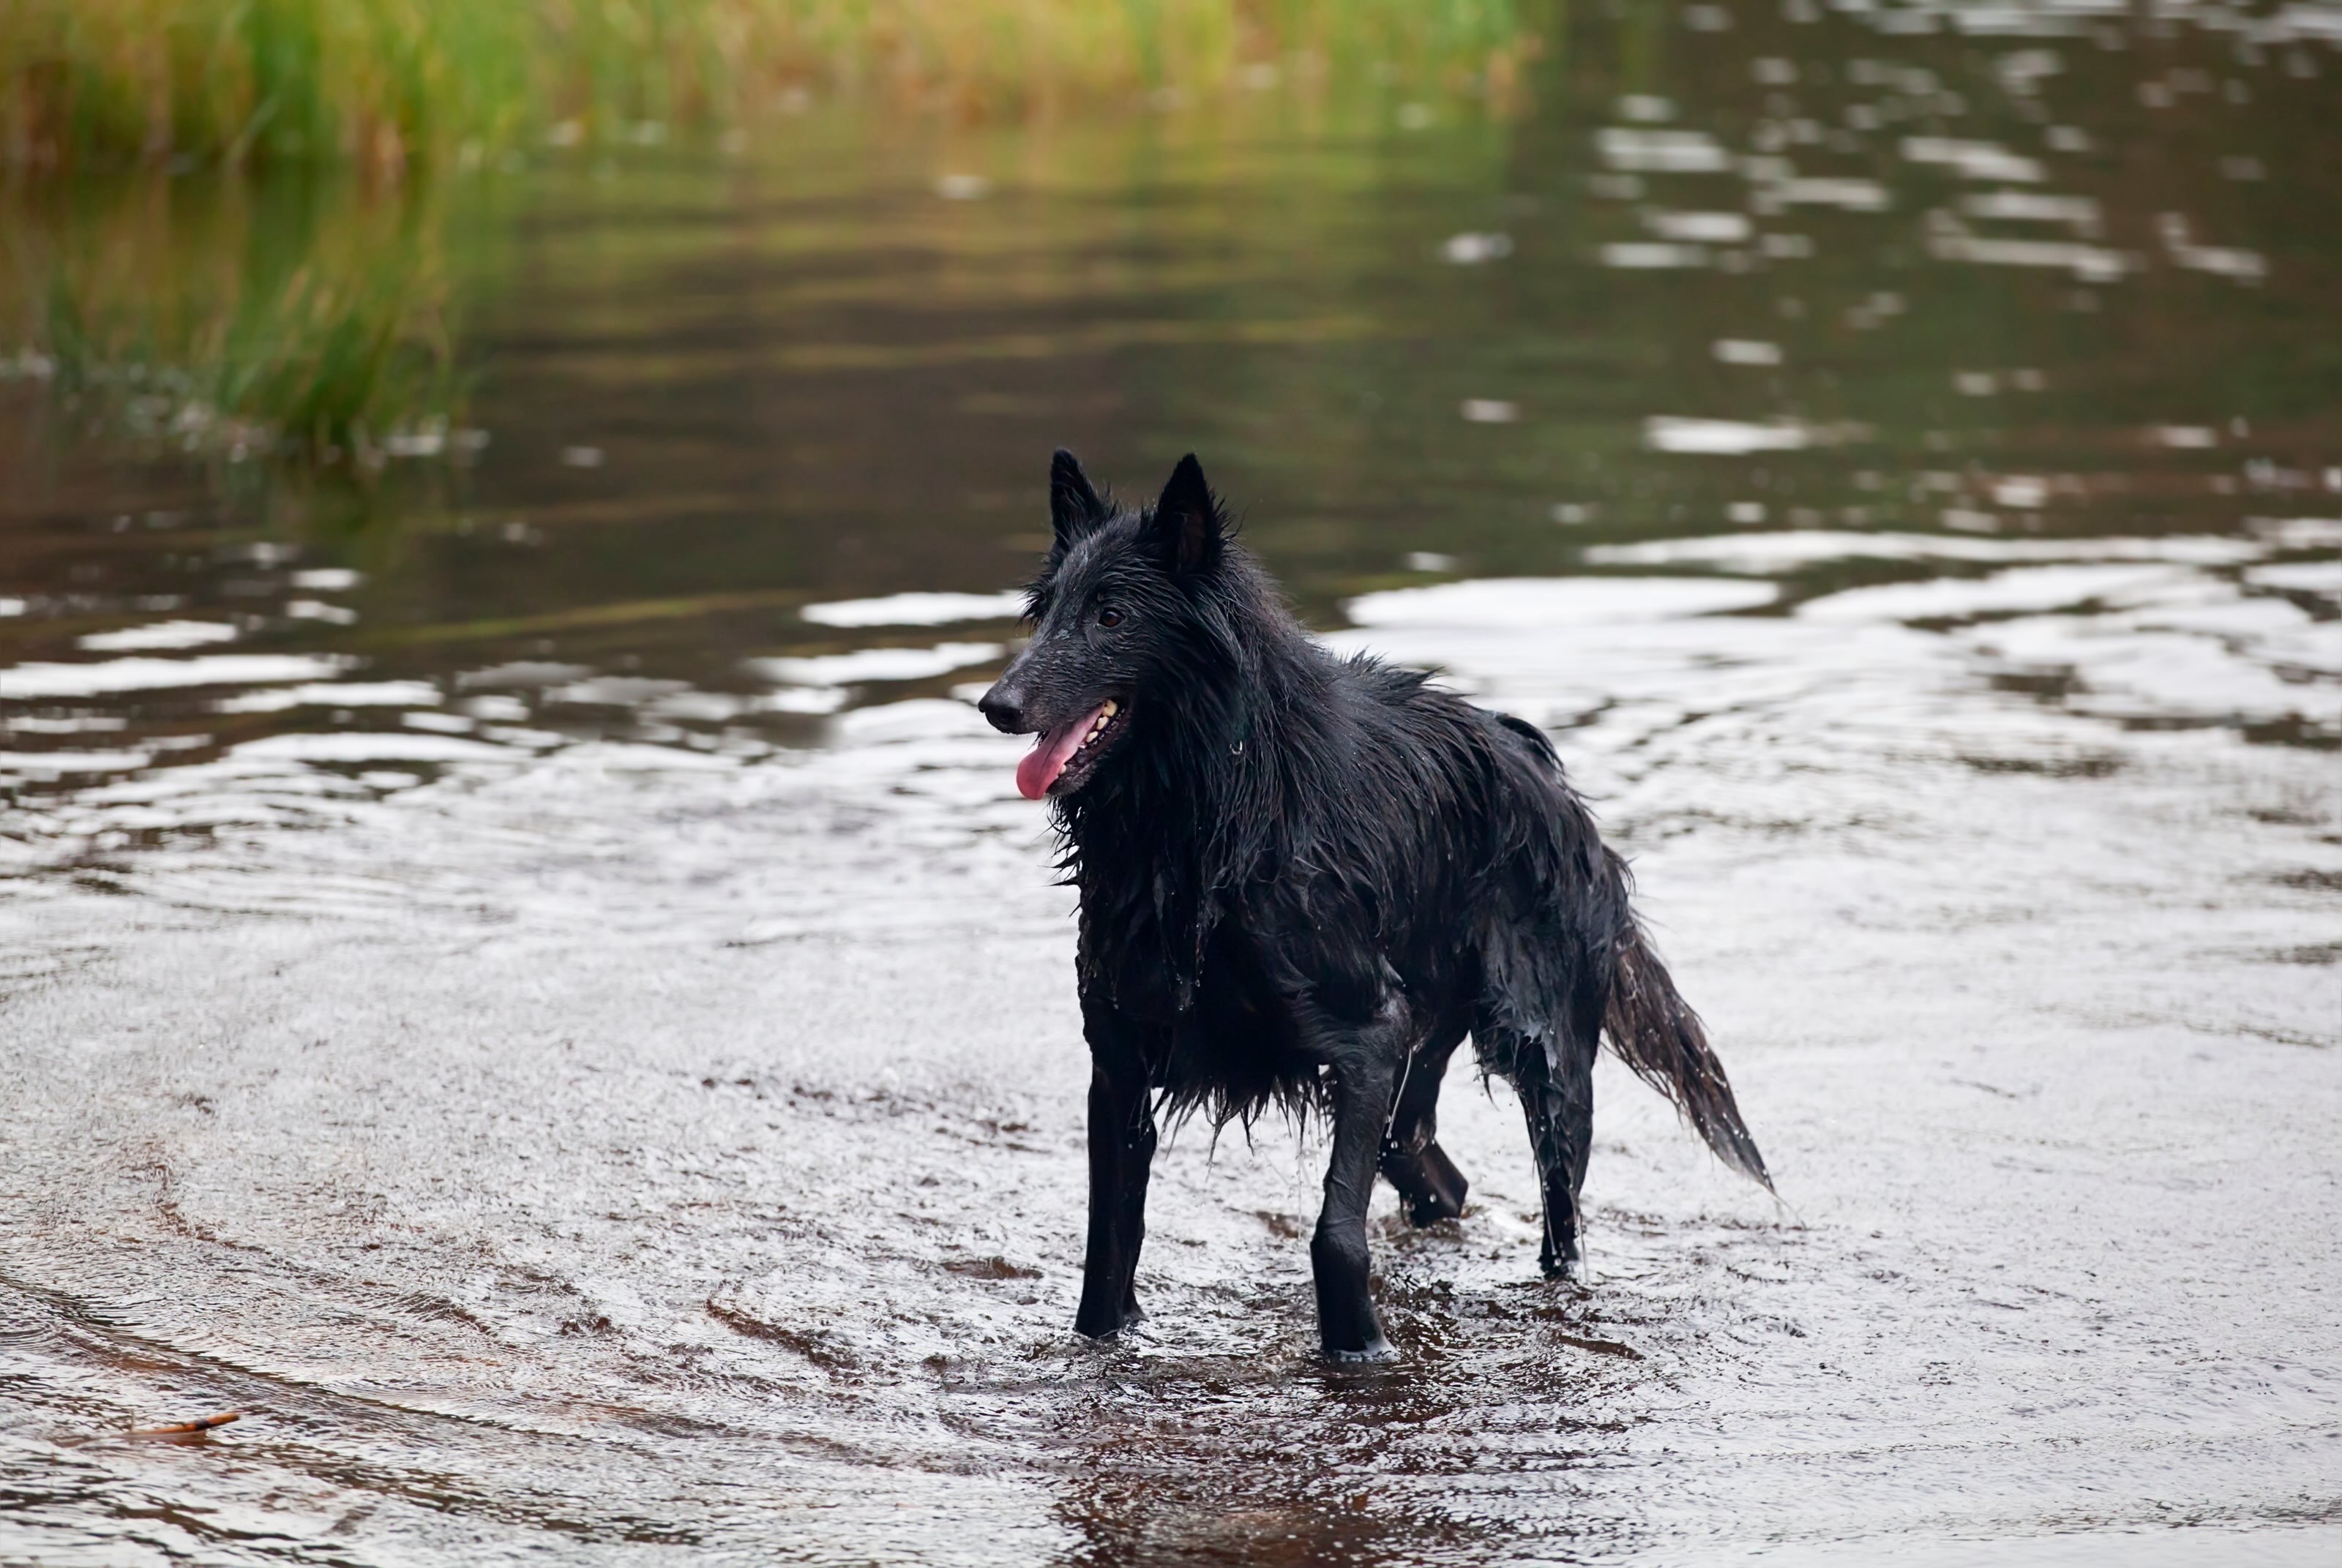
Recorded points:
525,976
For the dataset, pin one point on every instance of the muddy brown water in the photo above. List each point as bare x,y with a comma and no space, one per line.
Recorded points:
545,998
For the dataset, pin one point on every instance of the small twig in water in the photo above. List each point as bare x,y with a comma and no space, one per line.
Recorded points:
195,1428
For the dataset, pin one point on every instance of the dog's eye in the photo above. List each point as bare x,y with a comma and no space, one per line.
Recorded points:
1109,616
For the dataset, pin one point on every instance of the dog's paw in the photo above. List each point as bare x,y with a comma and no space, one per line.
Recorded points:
1101,1328
1375,1351
1430,1210
1562,1271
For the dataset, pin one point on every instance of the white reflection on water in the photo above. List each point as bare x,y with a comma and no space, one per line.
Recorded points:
917,610
1473,249
1974,160
367,746
38,682
1662,151
876,665
46,766
1554,604
1701,228
2026,588
1791,548
1727,437
332,695
1746,351
2144,630
157,634
1645,255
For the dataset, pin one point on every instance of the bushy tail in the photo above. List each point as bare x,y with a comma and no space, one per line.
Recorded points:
1654,1032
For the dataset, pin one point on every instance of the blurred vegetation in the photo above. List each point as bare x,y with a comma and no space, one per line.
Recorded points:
298,324
301,321
385,83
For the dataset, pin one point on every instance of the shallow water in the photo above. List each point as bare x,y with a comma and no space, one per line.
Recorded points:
545,998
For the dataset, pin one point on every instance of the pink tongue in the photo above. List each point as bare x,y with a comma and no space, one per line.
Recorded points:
1049,755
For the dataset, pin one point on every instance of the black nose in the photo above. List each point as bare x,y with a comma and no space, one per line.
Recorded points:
999,707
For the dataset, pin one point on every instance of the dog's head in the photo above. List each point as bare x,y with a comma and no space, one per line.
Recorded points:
1114,615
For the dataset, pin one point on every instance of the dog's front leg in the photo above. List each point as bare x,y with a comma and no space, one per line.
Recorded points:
1122,1152
1364,1080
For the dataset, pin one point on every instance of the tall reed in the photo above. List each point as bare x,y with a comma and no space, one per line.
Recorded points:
384,83
298,320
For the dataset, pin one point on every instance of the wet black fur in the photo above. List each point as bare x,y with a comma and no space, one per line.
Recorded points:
1303,879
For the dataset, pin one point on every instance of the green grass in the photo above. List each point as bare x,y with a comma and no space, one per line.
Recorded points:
299,323
386,84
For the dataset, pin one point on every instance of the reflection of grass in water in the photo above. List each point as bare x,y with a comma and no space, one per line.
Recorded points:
287,325
382,82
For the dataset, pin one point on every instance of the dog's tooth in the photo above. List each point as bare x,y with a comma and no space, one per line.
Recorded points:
1110,708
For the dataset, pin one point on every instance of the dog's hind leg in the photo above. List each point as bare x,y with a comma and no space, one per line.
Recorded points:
1554,1076
1122,1154
1411,1160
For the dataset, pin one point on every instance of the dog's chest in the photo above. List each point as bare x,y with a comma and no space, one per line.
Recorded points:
1223,987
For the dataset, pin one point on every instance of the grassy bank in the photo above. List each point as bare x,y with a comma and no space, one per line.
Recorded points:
383,84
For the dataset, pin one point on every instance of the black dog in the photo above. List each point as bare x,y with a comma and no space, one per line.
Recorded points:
1304,880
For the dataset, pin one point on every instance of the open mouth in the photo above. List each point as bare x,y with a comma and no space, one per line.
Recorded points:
1063,759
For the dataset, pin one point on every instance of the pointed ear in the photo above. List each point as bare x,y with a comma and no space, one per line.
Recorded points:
1188,527
1073,503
